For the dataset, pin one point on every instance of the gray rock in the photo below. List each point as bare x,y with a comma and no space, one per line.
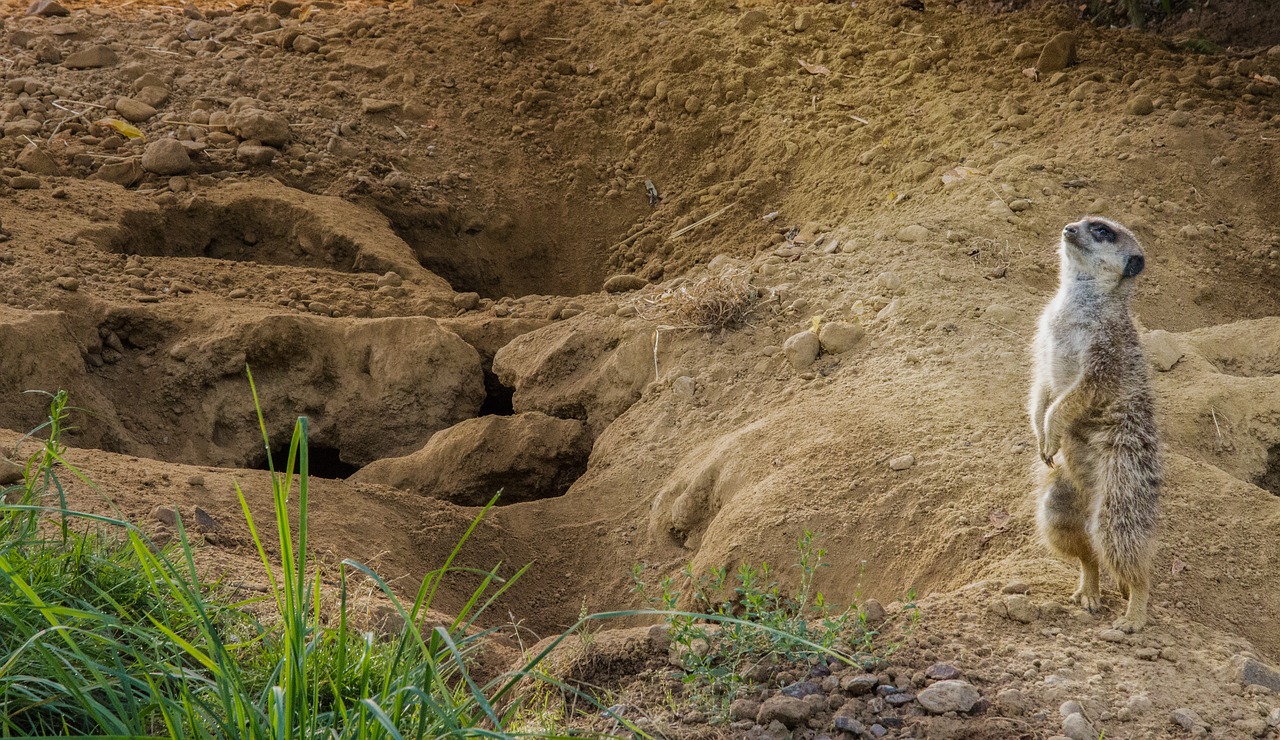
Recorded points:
744,709
1112,635
93,57
838,337
788,710
206,521
1012,701
624,283
1016,607
1249,671
165,515
902,462
166,157
152,95
942,672
1139,105
124,173
256,154
47,9
913,233
860,683
802,349
1077,727
948,696
873,613
1186,718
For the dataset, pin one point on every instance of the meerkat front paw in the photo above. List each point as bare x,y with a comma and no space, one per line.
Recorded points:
1090,600
1130,624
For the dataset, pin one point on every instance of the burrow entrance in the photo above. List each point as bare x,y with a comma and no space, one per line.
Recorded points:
511,254
266,230
1270,478
322,461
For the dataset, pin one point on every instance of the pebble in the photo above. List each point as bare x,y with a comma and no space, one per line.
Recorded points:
1077,727
166,156
508,35
890,282
837,337
1013,701
305,44
948,696
468,301
942,672
902,462
1249,671
24,182
802,349
317,307
205,520
1016,607
913,233
744,709
391,279
47,9
1015,587
873,613
377,105
67,283
93,57
134,111
1139,105
256,154
121,173
1058,54
165,515
1179,118
1185,718
859,683
34,159
196,481
153,95
791,712
238,293
624,283
1112,635
267,127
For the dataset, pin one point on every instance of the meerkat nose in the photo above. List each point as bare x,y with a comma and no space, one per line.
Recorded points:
1070,230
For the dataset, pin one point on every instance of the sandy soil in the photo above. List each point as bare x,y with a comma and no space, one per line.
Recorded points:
403,218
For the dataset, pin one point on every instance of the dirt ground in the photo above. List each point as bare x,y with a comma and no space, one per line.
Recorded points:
403,218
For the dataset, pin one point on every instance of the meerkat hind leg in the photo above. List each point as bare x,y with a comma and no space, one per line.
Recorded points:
1062,517
1135,616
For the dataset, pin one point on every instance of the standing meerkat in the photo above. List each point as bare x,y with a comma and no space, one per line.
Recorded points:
1091,401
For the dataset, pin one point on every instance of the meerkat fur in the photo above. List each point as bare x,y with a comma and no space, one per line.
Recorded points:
1092,411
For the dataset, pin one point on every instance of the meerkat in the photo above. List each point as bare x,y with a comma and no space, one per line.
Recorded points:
1092,410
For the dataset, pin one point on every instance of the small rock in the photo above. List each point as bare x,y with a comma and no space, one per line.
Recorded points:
1179,118
872,613
913,233
238,293
47,9
624,283
1012,701
890,282
24,182
391,278
1077,727
1147,653
508,35
92,58
942,672
1185,718
1139,105
196,481
267,127
256,154
788,710
1273,719
1025,50
34,159
206,521
860,683
744,709
1112,635
1162,350
1017,607
802,349
999,313
466,301
1058,54
153,95
165,515
846,719
1251,672
67,283
124,173
948,696
283,8
1255,727
305,44
838,337
801,689
1015,587
377,105
317,307
134,111
166,157
902,462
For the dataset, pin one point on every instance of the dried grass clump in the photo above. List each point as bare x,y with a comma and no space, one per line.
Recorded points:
713,302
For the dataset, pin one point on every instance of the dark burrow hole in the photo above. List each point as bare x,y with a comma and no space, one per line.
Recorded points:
322,462
1270,478
509,255
498,398
265,230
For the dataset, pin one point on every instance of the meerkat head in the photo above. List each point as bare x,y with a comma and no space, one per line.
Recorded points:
1099,249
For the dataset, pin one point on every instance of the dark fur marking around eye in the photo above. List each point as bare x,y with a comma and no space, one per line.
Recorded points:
1134,265
1102,233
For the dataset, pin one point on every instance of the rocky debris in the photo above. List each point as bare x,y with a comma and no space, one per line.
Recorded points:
1139,105
94,57
1185,718
206,521
802,349
942,672
125,174
1162,350
378,105
1016,607
949,695
913,233
165,515
256,154
1058,54
902,462
527,456
34,159
165,157
624,283
838,337
67,283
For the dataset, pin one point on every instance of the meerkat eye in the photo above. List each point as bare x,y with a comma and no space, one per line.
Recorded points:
1101,233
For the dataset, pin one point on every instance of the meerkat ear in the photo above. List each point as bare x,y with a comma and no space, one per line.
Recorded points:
1133,265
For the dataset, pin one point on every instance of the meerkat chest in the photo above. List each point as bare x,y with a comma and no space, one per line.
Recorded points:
1068,343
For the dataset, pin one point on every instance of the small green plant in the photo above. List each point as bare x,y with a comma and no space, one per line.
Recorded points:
735,624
